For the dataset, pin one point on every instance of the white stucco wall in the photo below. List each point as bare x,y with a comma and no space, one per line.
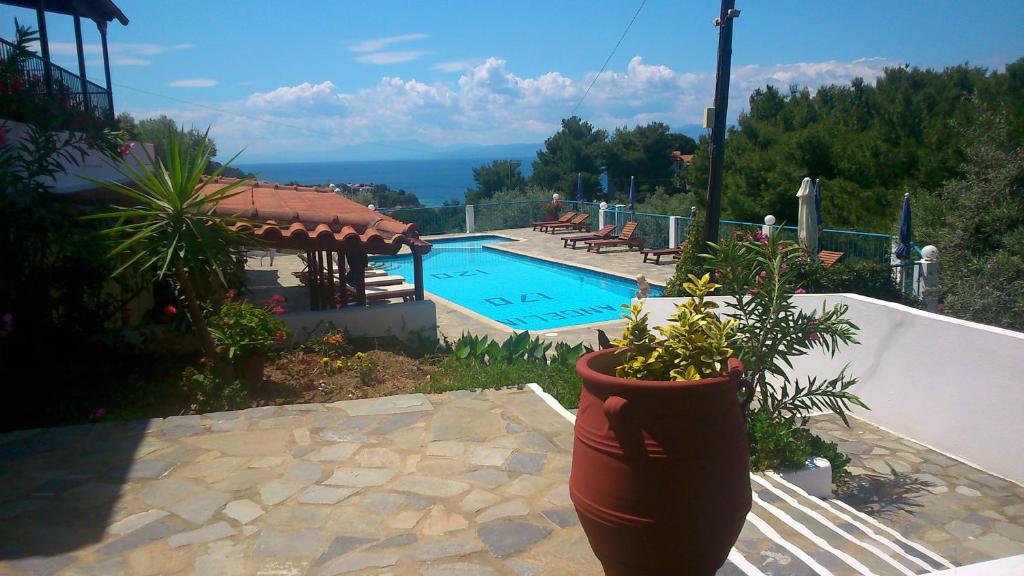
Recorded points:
950,384
397,319
95,164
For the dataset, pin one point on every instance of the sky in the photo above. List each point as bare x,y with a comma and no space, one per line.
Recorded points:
336,80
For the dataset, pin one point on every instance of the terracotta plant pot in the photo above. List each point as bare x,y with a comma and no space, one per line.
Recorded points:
660,470
250,369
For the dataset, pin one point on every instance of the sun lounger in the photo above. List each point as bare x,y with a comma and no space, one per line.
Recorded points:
564,218
828,258
387,280
576,223
625,238
602,234
655,254
404,291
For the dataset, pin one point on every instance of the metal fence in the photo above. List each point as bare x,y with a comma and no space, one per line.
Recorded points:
438,220
654,229
65,88
502,215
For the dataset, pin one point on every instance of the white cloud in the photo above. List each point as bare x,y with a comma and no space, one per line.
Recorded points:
396,57
376,44
129,61
121,53
457,65
490,104
193,83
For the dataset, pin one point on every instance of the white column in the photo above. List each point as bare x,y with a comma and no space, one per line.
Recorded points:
927,276
470,219
673,231
601,215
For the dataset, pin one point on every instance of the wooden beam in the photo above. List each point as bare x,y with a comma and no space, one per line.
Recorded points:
81,61
417,271
310,279
341,279
44,44
101,25
333,301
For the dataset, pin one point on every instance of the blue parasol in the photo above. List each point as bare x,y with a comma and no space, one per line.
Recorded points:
817,200
579,187
903,248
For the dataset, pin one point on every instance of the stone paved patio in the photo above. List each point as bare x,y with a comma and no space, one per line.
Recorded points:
961,512
466,483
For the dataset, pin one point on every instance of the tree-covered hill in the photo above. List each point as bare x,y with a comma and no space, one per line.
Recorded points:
867,143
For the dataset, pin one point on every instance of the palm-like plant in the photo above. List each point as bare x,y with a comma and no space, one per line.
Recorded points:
169,229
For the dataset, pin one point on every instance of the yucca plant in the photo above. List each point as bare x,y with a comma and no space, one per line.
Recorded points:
167,227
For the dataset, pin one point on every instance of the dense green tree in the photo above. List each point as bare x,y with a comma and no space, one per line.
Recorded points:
977,222
159,130
493,177
645,152
866,143
577,148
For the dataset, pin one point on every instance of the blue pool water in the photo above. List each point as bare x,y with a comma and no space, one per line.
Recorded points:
521,292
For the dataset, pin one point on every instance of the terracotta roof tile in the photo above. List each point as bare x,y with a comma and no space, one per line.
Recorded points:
315,218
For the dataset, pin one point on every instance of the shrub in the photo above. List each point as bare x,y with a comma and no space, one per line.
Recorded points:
689,261
246,330
208,393
778,443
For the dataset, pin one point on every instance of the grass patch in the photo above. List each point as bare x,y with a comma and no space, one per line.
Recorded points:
557,380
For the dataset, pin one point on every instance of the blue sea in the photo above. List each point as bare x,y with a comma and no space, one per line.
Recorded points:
432,181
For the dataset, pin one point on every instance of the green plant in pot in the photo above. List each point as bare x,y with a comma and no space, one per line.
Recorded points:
760,276
660,475
247,333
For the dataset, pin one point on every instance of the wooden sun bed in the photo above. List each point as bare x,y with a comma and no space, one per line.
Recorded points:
387,280
829,258
576,223
625,238
601,234
655,254
564,218
404,291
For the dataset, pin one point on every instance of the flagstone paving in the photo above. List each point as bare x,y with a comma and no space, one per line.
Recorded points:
963,513
461,483
465,483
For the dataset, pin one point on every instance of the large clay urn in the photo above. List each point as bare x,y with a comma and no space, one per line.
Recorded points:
660,470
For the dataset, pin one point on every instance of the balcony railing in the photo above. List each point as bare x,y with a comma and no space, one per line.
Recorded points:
67,89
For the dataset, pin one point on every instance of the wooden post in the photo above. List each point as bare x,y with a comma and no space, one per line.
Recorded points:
333,303
417,270
81,62
102,27
341,279
360,274
44,44
713,210
310,279
321,281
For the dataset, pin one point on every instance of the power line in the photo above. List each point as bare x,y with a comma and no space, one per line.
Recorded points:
608,59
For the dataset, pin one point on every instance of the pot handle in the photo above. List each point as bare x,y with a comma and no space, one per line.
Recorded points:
614,410
748,387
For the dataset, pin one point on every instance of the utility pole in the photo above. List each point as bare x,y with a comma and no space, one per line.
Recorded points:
713,208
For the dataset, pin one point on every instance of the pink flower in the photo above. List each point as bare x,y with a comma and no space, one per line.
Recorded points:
280,337
815,337
762,276
278,310
169,311
230,294
277,299
126,149
753,292
97,413
799,291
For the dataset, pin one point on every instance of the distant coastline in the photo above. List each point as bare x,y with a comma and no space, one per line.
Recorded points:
433,181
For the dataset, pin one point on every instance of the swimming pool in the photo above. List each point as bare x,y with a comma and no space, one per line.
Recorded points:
521,292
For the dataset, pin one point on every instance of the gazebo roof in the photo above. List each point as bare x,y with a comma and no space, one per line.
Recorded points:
315,219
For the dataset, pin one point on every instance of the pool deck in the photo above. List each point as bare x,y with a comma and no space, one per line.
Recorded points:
459,484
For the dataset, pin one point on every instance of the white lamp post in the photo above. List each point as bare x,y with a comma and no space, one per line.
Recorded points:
769,221
371,207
